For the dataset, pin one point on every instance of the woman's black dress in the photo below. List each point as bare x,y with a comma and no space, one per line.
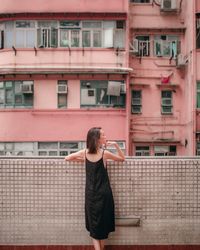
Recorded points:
99,203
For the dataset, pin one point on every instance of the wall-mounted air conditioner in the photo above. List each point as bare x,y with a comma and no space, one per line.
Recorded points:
27,87
168,5
134,46
61,88
182,60
88,96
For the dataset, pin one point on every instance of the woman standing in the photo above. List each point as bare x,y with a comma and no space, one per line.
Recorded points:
99,203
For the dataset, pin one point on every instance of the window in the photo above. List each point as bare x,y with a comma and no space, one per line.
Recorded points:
58,148
136,102
143,45
47,34
92,34
198,148
198,94
166,46
97,94
165,150
142,151
166,102
65,33
16,94
1,35
25,34
108,33
69,33
62,94
119,34
198,32
121,145
17,148
9,34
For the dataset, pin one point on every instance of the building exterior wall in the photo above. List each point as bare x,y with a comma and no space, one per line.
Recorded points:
77,6
150,127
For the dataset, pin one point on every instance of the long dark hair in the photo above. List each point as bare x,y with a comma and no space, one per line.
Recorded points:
93,137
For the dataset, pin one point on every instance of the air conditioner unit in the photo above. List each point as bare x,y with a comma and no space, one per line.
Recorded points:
27,88
181,60
61,88
134,46
168,5
88,96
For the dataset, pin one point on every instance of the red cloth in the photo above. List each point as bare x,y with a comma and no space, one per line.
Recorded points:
165,79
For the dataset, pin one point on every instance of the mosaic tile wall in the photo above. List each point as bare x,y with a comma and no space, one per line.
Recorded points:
42,201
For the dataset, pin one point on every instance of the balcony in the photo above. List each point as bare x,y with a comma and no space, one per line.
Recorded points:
42,202
63,61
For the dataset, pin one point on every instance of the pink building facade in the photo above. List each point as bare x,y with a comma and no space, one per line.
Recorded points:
127,66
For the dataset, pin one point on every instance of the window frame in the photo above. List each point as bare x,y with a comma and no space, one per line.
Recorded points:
143,45
63,95
25,30
15,94
164,105
107,100
136,105
198,95
167,152
166,44
142,151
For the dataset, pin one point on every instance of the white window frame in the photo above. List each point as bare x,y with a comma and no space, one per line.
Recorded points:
163,150
92,30
47,27
64,94
166,102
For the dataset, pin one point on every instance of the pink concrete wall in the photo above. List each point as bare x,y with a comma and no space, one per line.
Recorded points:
20,6
197,5
52,125
44,94
73,95
61,58
148,16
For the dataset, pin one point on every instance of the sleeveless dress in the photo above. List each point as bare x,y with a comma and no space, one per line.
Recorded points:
99,202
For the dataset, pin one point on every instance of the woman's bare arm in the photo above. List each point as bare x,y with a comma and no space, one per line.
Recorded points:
78,156
115,157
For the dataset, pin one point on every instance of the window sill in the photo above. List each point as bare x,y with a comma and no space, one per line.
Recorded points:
168,114
167,85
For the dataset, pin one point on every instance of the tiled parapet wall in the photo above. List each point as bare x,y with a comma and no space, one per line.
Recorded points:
42,201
